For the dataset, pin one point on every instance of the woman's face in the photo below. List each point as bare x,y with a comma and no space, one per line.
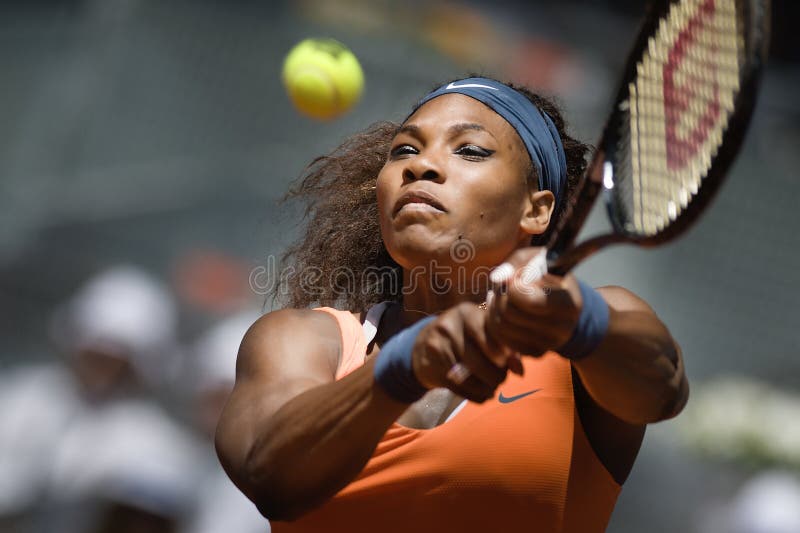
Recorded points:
456,173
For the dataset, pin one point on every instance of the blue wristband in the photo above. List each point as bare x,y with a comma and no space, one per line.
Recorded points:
393,368
592,325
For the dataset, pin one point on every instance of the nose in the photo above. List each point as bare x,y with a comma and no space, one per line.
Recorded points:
422,167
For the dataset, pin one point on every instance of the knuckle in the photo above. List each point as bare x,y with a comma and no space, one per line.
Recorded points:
429,345
439,327
464,306
466,311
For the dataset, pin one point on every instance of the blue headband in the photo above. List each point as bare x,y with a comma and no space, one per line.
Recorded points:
534,127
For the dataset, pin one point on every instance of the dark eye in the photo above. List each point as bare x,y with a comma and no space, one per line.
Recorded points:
403,149
471,151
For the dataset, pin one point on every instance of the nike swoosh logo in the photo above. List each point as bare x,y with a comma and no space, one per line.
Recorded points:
509,399
452,85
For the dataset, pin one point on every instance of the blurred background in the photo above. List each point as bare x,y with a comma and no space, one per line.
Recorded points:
144,147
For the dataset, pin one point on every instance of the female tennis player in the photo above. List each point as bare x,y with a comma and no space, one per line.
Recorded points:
412,409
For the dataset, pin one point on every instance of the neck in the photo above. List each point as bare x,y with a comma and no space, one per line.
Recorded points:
429,293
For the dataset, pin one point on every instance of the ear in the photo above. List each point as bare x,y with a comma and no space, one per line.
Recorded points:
538,210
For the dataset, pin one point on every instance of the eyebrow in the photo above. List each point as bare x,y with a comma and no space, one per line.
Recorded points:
452,131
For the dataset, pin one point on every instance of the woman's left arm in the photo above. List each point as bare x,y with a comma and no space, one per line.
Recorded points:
633,370
636,372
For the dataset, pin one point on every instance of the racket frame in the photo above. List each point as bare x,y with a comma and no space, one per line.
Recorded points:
562,255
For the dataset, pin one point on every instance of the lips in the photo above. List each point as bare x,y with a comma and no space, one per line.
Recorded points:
418,197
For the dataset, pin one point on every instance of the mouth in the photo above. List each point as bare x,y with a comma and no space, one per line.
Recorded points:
418,200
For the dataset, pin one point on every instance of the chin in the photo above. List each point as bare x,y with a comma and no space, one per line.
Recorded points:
415,247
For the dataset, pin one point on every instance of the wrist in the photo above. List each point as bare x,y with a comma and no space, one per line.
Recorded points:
592,325
394,371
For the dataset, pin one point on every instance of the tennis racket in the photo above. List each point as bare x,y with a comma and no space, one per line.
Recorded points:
678,121
679,118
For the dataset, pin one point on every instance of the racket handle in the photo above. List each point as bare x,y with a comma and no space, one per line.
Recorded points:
562,264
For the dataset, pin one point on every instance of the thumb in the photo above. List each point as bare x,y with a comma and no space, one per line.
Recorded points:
530,263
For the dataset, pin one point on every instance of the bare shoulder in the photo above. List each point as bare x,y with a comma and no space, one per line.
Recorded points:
622,299
283,354
290,343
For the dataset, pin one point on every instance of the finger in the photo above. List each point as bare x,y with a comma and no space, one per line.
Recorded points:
500,355
528,298
501,273
531,336
481,367
458,373
511,358
528,343
494,320
535,267
532,287
472,375
504,314
472,389
495,343
534,317
436,355
533,260
507,358
443,349
515,364
524,332
545,297
475,332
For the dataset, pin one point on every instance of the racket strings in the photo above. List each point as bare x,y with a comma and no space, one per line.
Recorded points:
679,106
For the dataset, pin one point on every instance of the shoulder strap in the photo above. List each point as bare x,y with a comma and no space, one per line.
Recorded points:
355,336
372,320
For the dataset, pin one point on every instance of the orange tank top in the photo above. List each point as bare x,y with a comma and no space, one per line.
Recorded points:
524,464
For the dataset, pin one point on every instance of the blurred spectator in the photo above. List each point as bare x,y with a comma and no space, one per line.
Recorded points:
117,330
220,506
767,503
124,466
80,445
36,404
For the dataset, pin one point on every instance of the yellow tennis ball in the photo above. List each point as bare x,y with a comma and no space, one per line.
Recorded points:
323,78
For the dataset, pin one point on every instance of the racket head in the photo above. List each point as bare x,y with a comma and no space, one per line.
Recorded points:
681,114
678,121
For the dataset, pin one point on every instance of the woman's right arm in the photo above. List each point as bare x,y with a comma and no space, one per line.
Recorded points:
291,436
